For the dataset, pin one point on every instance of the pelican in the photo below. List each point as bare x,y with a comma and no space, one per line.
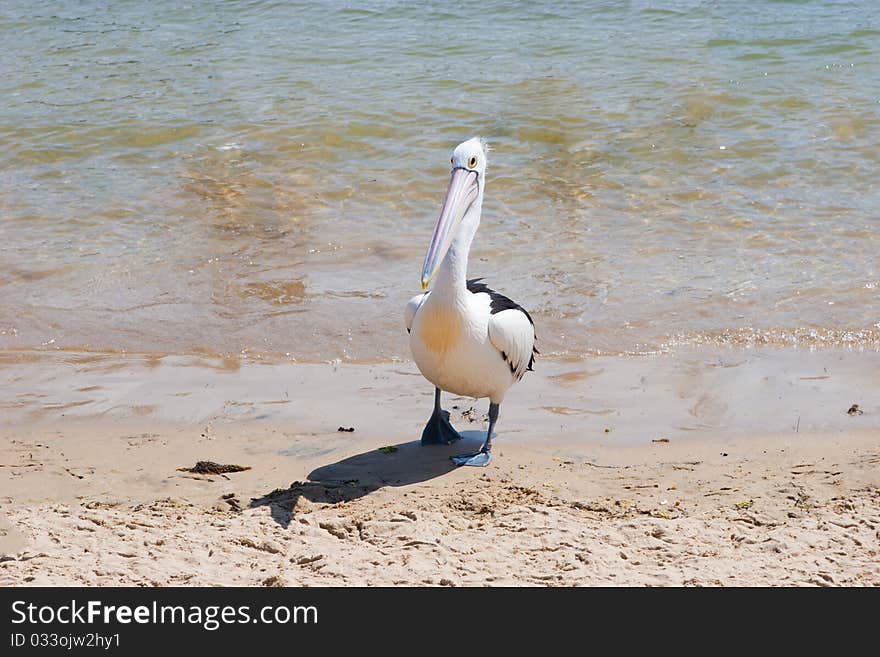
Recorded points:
466,339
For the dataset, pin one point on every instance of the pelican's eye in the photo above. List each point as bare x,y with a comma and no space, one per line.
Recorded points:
472,162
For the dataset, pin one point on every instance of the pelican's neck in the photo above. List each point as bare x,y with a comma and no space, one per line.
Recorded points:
451,281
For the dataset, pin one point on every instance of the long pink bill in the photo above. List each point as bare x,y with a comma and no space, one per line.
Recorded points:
463,191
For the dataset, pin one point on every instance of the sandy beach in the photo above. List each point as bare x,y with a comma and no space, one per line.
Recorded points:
731,467
214,215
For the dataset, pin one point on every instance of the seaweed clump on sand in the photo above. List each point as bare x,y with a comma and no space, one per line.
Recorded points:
211,468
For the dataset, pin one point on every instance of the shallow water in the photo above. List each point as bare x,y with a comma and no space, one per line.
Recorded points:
265,176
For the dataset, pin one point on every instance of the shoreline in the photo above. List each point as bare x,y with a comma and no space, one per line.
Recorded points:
743,492
694,389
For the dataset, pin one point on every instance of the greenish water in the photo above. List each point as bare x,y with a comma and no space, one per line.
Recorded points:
264,176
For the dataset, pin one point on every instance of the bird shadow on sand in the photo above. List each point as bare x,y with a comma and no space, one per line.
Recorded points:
359,475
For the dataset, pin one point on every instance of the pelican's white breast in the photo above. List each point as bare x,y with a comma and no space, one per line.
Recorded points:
452,348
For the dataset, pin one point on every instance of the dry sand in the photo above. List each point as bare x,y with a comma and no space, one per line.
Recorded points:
732,468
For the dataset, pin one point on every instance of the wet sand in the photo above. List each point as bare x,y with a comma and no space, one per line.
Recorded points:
699,467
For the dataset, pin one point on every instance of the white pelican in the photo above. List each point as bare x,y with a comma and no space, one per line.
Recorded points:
465,338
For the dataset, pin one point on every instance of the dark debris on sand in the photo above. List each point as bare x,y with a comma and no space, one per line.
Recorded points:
211,468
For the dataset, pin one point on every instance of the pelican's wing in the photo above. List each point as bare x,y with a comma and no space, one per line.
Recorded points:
511,329
513,335
412,306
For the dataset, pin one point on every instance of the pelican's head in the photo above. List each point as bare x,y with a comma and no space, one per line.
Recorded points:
465,192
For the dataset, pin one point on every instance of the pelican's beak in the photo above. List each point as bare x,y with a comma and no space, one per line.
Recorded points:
463,191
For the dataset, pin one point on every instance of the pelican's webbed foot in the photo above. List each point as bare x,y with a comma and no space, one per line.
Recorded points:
439,431
481,459
478,459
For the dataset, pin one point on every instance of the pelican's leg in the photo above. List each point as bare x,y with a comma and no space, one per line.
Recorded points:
439,431
482,457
